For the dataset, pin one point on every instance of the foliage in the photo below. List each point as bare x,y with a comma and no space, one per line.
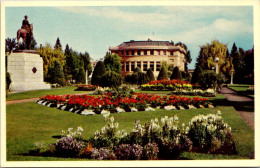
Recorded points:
162,74
209,52
151,151
112,62
166,85
97,73
86,87
110,79
210,79
150,74
55,74
8,82
196,76
49,56
10,45
137,69
176,74
142,78
81,76
58,45
211,134
129,152
85,58
102,154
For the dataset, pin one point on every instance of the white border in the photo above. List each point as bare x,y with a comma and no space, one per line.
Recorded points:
179,163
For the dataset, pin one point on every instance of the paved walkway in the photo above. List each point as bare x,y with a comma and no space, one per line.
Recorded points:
243,105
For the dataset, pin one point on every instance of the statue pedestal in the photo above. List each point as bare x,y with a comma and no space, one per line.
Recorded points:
26,70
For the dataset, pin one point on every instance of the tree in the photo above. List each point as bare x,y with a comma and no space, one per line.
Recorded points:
81,76
176,74
10,45
137,69
55,74
150,74
249,66
209,52
128,79
196,75
50,55
86,62
210,79
97,73
162,74
58,44
112,62
111,79
142,78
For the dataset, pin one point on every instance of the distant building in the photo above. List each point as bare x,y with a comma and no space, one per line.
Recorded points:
149,54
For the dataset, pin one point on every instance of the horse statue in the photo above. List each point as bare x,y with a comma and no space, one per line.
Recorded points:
27,36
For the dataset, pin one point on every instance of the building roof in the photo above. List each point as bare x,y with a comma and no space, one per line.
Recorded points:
149,44
146,43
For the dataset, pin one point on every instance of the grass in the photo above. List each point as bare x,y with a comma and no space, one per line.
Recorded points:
241,89
28,123
40,93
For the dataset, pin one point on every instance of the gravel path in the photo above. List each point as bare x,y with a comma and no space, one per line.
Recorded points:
243,105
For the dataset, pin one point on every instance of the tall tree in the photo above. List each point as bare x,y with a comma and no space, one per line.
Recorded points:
150,74
55,74
111,79
112,62
86,61
97,73
58,44
10,45
196,76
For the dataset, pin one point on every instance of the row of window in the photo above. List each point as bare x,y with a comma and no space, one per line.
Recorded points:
145,52
126,67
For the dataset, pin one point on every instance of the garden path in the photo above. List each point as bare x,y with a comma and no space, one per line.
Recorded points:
243,105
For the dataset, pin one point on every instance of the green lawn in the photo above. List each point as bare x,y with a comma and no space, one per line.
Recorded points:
28,123
40,93
241,89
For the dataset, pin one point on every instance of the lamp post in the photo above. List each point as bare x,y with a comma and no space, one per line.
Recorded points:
216,60
231,82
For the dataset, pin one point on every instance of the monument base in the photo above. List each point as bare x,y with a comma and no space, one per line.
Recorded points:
26,71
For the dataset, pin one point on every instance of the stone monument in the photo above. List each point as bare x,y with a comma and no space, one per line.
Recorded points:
26,67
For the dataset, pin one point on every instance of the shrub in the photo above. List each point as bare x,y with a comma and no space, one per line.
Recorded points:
110,79
211,134
176,73
151,151
196,75
7,82
98,72
102,154
55,74
81,76
150,74
128,152
210,79
142,78
162,74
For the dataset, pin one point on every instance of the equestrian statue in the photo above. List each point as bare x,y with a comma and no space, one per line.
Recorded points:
26,32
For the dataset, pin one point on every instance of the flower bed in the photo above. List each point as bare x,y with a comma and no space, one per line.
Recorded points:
194,92
86,87
157,139
158,85
85,104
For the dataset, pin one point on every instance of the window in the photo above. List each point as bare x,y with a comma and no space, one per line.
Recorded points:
123,67
132,66
127,66
151,52
171,53
139,52
133,53
152,65
164,52
126,53
158,66
139,64
145,52
145,66
159,52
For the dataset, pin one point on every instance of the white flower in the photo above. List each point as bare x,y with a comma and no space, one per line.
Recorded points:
116,125
70,129
183,125
80,129
218,113
111,119
176,118
156,119
106,115
229,129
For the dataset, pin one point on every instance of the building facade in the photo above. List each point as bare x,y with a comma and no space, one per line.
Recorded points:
149,54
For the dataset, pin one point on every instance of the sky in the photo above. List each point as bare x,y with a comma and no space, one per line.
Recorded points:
95,28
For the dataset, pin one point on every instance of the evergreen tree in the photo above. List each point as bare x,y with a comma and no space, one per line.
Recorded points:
150,74
81,76
137,69
111,79
97,73
58,44
162,74
86,62
112,62
176,74
142,78
55,74
196,75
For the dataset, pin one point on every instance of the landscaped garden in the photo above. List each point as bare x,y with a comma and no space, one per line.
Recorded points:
243,89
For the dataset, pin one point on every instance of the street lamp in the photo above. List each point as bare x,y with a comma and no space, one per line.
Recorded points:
216,60
231,82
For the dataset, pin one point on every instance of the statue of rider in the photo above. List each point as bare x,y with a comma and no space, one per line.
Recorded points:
26,24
